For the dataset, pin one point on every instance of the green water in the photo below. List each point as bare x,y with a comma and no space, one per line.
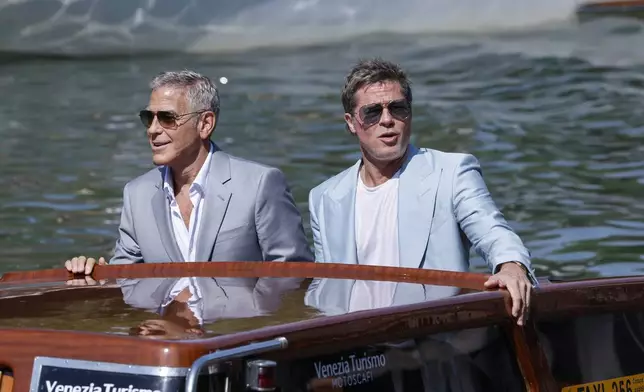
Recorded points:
555,118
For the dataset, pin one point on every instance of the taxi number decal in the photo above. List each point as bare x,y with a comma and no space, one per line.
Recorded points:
634,383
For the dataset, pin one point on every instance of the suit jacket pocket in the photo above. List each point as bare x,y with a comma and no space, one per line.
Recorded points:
230,234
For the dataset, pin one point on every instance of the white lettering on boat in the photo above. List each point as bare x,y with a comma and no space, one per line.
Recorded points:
56,387
352,379
355,370
332,369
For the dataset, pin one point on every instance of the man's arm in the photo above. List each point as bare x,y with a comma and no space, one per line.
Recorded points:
483,223
127,250
315,229
278,221
492,237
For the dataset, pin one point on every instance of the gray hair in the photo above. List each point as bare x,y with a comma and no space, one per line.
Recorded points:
367,72
201,92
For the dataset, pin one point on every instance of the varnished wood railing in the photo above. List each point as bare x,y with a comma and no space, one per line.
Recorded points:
464,280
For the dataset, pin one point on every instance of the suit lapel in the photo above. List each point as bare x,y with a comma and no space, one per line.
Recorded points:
416,200
215,204
339,207
161,212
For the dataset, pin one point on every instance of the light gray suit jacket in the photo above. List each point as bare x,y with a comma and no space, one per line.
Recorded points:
249,215
444,208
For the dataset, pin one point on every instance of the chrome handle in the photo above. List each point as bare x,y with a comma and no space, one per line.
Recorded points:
236,352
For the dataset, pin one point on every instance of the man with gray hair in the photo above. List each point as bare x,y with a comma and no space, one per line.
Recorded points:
200,203
404,206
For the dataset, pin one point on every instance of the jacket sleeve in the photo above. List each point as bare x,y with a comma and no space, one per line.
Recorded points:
315,229
480,219
278,221
127,249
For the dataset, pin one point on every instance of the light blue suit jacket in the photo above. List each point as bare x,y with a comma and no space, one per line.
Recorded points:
444,209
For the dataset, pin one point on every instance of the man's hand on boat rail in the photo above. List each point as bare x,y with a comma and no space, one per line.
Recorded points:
83,265
514,278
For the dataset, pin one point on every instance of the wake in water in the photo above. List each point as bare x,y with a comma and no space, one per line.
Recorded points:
106,27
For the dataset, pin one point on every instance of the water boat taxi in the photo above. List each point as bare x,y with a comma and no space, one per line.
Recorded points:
253,326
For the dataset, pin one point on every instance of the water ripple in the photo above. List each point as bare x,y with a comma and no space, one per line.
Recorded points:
559,139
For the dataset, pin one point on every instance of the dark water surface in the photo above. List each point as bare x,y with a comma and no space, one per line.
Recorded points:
555,118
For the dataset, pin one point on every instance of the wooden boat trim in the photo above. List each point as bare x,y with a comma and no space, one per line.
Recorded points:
604,281
531,358
594,296
253,269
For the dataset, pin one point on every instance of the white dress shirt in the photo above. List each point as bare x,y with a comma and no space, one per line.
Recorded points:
187,236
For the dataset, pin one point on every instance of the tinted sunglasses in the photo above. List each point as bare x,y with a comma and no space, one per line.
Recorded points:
167,119
371,114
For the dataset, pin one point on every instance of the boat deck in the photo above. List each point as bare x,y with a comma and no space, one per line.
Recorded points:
108,309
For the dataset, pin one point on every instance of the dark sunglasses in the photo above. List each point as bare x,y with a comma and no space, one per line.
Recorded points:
370,114
167,119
